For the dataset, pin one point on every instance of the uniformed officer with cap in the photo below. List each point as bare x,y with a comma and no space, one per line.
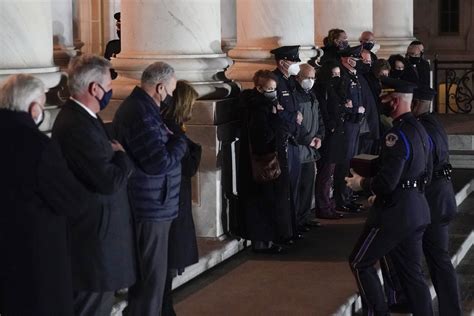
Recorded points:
400,212
442,202
354,109
287,59
113,47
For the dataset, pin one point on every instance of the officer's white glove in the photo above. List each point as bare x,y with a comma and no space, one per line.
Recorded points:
354,182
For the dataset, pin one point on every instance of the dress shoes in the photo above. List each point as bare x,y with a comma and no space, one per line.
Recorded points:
349,208
303,229
312,224
272,250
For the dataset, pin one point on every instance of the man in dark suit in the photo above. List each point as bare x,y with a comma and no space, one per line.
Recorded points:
38,193
103,257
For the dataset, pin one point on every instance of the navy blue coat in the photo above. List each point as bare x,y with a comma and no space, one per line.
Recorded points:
440,192
156,153
38,194
102,242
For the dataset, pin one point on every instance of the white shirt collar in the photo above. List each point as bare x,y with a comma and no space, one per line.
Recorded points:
85,108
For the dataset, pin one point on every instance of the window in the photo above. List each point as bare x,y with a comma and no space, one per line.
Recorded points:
449,16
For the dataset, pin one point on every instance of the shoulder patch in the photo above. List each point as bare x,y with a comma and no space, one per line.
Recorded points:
391,139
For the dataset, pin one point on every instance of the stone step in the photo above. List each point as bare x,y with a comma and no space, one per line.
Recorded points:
462,159
461,142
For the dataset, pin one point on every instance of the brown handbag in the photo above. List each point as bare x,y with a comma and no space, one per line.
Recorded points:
265,167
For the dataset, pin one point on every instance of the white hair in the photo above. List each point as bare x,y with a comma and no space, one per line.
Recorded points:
85,69
17,92
405,97
158,72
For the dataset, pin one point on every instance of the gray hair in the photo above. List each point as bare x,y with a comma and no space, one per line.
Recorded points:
85,69
158,72
19,91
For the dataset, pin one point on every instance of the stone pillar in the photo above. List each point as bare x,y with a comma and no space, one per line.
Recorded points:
229,24
76,27
263,25
26,40
353,16
63,39
393,26
184,33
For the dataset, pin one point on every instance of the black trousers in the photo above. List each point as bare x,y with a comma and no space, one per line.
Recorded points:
406,252
93,303
145,297
443,275
294,166
323,187
305,192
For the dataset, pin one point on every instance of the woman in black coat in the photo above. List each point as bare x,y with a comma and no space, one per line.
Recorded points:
182,243
264,208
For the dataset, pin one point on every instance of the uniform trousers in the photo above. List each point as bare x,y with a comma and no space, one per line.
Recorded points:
443,275
305,192
405,250
145,297
294,166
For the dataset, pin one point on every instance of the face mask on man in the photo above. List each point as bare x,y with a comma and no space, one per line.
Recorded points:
396,73
39,119
387,108
105,98
362,67
414,60
368,45
293,69
307,84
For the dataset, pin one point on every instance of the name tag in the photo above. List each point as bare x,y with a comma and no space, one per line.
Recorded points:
285,93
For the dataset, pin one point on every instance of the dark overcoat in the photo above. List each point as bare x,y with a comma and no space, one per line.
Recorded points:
102,243
264,208
38,193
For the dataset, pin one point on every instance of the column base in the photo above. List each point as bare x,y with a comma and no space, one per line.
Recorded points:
49,75
205,72
390,46
248,60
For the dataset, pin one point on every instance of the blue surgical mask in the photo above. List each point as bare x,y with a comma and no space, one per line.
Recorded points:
105,98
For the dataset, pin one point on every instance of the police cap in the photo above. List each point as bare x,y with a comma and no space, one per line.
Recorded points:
289,53
117,16
424,93
390,85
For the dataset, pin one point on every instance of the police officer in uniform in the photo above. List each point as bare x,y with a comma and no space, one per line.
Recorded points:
287,58
113,47
354,112
400,212
442,202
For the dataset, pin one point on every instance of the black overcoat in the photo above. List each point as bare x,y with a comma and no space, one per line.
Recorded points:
264,208
102,243
37,193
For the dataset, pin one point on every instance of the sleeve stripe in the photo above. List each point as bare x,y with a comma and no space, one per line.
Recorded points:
407,144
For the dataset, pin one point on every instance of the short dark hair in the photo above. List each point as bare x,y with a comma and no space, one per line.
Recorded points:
379,65
393,58
263,75
333,34
417,42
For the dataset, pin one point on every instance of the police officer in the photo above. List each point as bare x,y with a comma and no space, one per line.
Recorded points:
287,59
354,112
442,202
400,212
113,47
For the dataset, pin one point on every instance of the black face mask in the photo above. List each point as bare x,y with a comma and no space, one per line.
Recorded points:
414,60
167,102
396,73
362,67
386,108
368,45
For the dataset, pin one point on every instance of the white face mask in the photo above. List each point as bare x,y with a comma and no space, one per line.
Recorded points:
39,119
293,69
307,84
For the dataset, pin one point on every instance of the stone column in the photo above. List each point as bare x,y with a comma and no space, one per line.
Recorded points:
63,39
393,26
76,28
26,40
263,25
229,24
353,16
184,33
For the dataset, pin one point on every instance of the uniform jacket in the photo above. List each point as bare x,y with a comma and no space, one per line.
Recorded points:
440,192
156,153
102,243
405,155
39,194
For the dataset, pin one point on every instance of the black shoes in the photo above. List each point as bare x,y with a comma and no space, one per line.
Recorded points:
329,215
352,207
